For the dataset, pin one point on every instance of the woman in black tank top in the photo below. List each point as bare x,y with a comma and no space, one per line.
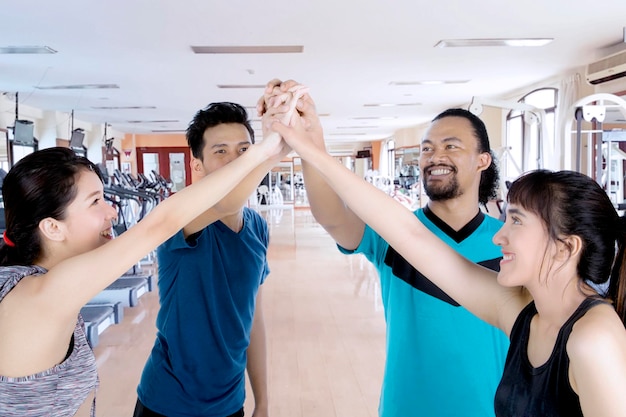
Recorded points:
568,341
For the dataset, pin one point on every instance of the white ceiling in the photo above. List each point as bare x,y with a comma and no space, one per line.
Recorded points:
352,51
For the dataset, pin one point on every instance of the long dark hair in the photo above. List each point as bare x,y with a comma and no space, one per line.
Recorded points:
572,204
40,185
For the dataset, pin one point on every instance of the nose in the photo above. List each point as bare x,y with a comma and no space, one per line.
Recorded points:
436,155
499,238
111,212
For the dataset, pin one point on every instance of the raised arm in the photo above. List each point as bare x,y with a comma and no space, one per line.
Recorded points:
38,316
471,285
326,205
235,199
78,279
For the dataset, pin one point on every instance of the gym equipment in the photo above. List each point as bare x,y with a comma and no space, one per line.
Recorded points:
98,318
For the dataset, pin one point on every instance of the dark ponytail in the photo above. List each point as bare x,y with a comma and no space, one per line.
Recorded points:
40,185
617,284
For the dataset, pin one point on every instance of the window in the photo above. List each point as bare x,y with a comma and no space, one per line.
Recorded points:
524,141
391,158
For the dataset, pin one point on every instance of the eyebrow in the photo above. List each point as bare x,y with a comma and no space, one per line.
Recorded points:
449,139
93,194
515,211
223,145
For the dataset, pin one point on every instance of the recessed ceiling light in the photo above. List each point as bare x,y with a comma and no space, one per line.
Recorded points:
26,50
457,43
428,82
357,127
256,86
391,104
168,131
345,134
152,121
124,107
276,49
78,87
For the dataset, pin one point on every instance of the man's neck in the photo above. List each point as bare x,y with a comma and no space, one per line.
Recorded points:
234,221
456,212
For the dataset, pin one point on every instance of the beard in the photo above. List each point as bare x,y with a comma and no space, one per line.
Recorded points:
442,191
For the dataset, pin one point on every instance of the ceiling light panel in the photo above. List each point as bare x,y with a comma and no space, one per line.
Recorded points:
168,131
78,87
27,50
152,121
428,82
345,134
357,127
375,118
276,49
391,104
124,107
462,43
254,86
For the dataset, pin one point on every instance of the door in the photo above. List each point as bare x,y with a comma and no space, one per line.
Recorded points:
172,163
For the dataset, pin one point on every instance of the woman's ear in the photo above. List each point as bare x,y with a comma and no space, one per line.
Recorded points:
51,229
569,247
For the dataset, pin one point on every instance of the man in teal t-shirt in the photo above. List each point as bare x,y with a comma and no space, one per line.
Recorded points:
441,360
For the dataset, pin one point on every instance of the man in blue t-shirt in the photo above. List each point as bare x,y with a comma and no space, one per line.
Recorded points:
441,360
210,324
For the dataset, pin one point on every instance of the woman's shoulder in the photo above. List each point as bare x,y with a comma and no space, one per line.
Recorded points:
11,275
598,330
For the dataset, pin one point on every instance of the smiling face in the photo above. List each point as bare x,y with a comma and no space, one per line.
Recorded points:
222,144
87,222
450,163
526,248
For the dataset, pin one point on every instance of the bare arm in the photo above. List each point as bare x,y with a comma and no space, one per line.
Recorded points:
236,199
257,360
327,207
597,352
38,316
471,285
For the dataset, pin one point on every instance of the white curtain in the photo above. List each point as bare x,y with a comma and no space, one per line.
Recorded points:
561,156
383,160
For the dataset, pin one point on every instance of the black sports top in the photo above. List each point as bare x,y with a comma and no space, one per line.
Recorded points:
525,391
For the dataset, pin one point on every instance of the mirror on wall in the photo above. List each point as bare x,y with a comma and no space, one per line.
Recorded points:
406,170
300,197
407,179
4,150
281,184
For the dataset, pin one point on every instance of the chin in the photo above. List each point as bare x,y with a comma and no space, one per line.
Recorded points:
502,280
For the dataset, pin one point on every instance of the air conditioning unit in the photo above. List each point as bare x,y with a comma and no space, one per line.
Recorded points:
610,68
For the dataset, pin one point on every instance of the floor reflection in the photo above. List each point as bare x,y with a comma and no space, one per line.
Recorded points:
325,330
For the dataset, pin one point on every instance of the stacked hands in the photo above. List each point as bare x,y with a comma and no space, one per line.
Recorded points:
300,129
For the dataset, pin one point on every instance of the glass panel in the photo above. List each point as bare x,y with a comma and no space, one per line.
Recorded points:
282,184
406,169
151,163
542,99
512,156
20,151
391,158
177,171
4,151
300,197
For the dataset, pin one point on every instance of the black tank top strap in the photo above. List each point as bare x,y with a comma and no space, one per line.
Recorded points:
582,309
